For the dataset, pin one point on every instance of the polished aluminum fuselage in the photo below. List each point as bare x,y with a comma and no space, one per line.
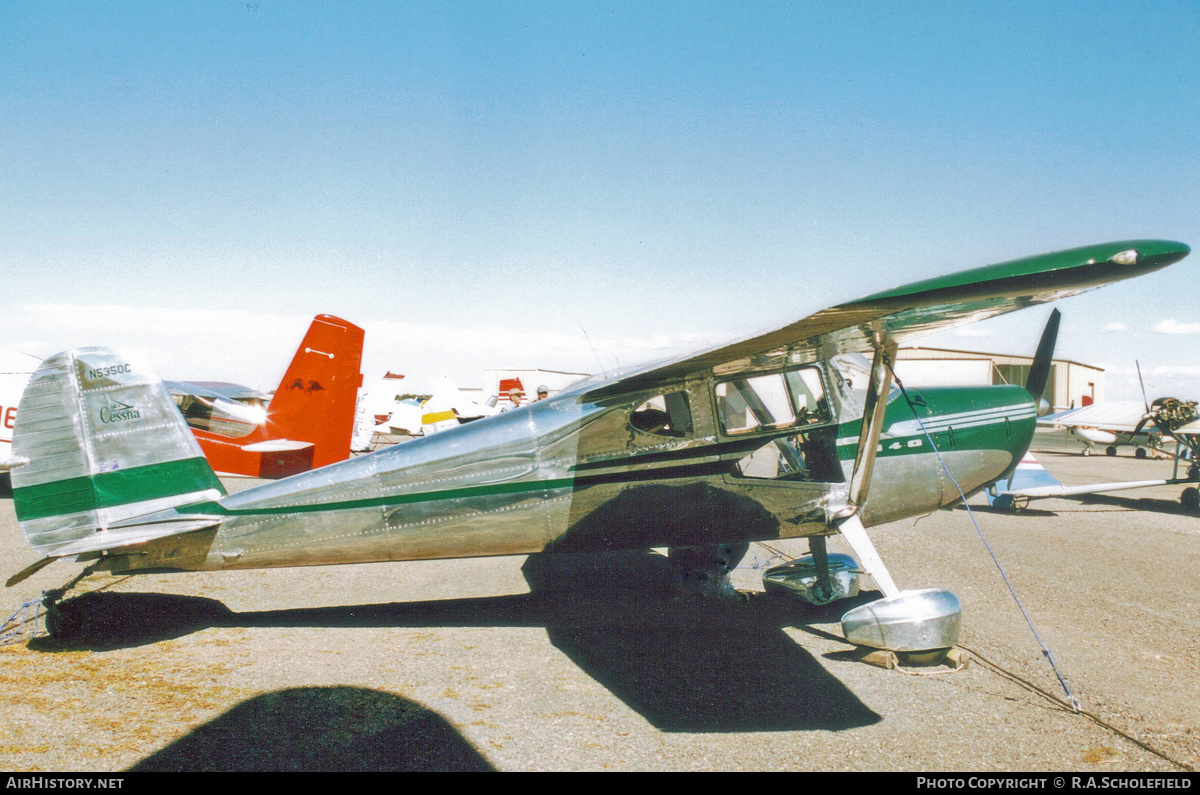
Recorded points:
571,474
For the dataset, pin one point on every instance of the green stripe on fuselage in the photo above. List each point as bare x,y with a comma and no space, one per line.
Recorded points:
110,489
956,418
986,406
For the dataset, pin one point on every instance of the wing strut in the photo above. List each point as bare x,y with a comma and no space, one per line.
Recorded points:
874,408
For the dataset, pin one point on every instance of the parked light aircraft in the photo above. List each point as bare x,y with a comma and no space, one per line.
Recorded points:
1030,481
307,423
1142,425
15,369
1111,425
788,433
447,407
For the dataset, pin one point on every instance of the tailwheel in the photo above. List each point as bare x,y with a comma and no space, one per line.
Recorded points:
1087,451
62,620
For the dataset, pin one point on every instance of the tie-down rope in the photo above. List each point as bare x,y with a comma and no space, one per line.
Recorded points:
1045,650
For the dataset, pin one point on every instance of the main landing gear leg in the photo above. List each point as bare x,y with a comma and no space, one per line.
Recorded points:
856,535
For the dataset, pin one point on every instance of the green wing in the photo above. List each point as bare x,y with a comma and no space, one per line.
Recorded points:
921,308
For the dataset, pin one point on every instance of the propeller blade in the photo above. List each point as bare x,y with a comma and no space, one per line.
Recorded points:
1039,372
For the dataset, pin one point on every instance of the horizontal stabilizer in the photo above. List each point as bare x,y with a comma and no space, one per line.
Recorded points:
12,462
276,446
116,541
130,536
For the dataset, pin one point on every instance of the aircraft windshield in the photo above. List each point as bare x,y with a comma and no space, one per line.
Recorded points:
855,371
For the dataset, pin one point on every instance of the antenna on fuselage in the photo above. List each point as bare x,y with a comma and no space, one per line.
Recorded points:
595,353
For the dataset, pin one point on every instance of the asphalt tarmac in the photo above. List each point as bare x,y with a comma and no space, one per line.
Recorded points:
597,663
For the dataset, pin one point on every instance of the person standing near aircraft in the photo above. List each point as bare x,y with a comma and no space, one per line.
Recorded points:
514,400
543,392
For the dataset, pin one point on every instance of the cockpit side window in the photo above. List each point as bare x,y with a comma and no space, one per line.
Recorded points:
664,415
773,401
808,456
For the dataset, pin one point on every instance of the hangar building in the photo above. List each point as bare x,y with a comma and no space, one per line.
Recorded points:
1071,384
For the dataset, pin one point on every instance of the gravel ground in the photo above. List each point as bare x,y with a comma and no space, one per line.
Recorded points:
589,663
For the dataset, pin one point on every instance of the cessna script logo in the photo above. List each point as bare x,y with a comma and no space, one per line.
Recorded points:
116,411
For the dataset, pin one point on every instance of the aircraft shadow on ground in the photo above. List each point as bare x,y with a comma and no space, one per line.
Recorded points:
1154,504
318,729
684,662
1027,511
1147,504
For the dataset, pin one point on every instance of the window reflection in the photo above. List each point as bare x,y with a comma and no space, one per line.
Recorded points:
798,457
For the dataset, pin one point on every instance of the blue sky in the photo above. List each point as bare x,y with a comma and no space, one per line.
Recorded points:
481,184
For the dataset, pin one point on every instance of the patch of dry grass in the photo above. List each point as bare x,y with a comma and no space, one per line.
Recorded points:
116,705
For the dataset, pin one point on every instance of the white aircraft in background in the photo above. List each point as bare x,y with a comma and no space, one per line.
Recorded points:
15,369
1142,425
1111,425
449,407
446,408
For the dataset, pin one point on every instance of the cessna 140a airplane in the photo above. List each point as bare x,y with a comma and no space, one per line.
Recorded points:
779,435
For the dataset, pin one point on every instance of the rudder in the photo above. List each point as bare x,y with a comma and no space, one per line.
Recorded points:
316,400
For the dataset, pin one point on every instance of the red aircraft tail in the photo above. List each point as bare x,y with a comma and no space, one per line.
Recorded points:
310,418
315,400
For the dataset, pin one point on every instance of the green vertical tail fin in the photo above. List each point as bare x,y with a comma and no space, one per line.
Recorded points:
105,443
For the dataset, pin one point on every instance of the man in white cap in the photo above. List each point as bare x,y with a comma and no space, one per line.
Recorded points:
543,392
514,400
